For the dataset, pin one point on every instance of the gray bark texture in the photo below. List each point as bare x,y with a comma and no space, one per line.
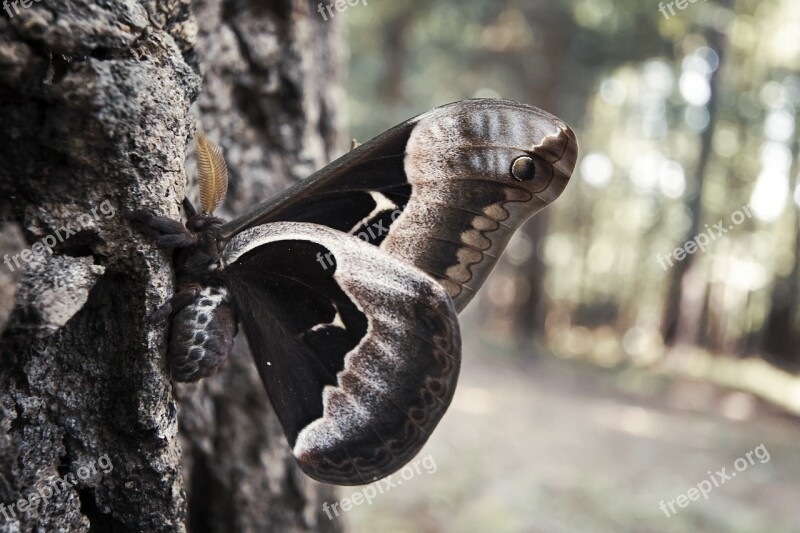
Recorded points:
98,105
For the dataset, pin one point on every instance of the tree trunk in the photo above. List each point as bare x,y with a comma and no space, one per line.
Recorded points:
95,104
780,335
686,295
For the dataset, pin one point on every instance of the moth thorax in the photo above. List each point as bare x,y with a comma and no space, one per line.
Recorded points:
202,335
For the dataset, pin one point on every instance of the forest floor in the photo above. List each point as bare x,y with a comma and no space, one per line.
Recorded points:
542,444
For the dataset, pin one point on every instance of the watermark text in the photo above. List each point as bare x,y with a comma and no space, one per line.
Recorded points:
46,243
340,5
680,4
29,505
717,479
382,486
700,241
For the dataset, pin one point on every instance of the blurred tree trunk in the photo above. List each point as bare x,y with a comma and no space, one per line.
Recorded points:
780,336
551,94
686,294
95,104
560,70
781,333
396,55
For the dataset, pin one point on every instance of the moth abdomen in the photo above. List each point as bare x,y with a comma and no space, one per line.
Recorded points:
202,335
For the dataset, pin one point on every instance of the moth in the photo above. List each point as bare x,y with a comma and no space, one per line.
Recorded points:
348,284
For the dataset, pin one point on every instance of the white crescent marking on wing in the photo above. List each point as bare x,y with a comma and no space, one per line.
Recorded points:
382,203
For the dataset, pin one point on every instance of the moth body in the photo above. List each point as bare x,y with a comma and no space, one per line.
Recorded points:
204,322
202,335
348,284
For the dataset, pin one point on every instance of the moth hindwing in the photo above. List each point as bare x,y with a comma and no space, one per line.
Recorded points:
348,284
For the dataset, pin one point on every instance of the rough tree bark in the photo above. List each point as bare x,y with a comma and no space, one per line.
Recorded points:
98,102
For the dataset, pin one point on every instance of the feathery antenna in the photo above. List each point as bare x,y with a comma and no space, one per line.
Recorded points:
212,173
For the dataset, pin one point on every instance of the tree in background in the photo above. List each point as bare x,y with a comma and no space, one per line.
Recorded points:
671,139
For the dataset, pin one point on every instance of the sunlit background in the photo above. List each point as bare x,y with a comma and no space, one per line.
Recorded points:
601,374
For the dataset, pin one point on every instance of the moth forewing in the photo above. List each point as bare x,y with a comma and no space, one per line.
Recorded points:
443,191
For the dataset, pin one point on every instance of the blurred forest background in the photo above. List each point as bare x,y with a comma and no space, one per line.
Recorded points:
599,379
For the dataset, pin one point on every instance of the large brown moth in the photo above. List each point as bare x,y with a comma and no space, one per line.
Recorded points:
348,283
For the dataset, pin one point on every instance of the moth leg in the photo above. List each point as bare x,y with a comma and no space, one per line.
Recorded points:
178,301
166,233
188,207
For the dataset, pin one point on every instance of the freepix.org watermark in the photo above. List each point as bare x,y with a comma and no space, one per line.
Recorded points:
703,239
340,5
680,4
373,231
370,492
46,243
717,479
29,505
15,4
